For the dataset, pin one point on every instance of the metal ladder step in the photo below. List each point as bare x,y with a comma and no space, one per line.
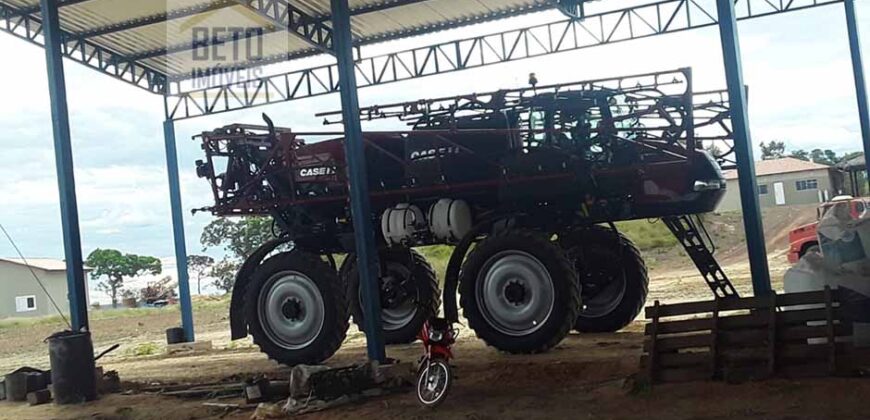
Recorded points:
688,233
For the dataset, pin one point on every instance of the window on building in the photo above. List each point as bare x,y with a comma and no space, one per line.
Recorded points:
762,189
25,303
807,184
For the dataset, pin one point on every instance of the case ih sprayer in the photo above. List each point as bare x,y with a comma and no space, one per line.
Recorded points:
524,183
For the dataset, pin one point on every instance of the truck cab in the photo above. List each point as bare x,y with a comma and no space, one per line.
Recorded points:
805,238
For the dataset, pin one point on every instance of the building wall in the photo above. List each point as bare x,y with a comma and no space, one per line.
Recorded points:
792,195
16,280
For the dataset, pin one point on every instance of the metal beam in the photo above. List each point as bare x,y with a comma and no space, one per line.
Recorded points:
860,83
178,230
77,287
363,232
752,222
664,17
29,28
295,20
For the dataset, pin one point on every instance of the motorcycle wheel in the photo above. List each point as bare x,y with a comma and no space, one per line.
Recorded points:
434,382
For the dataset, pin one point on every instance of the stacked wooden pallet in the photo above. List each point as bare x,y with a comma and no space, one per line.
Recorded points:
738,339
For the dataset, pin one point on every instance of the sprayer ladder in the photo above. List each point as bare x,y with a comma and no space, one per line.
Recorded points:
689,231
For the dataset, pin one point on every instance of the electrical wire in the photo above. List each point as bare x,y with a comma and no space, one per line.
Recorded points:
41,285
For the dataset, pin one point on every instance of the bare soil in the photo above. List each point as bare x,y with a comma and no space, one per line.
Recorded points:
585,377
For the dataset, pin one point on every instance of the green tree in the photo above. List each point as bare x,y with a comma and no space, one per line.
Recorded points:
199,266
240,237
115,266
224,274
800,154
825,157
772,150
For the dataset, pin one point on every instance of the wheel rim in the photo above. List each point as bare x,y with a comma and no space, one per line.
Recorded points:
433,382
291,310
604,284
515,293
398,308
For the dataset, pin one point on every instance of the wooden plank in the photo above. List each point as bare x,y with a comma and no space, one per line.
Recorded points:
743,338
714,346
733,304
744,321
771,335
664,344
805,332
830,330
653,349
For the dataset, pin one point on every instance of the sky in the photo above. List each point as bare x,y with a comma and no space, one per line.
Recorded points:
797,67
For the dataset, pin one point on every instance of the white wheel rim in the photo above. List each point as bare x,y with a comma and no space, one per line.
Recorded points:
291,310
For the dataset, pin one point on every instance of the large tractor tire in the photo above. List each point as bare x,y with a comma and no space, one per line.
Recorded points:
519,292
296,309
409,293
613,278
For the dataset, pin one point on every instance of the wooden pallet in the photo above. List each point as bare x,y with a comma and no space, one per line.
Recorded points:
738,339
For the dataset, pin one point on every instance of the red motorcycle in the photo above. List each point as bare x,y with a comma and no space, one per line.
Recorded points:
434,377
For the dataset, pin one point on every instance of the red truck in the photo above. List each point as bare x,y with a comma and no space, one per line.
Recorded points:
805,239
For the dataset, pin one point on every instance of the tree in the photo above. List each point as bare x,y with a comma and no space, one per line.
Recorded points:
240,237
199,266
800,154
115,266
224,274
772,150
163,289
713,149
825,157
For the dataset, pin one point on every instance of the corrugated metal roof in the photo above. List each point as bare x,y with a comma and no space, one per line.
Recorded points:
47,264
779,166
164,44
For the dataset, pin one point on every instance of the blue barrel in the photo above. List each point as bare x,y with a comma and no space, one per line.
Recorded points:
73,374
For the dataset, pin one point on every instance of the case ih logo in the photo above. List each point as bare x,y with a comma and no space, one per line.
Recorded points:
317,171
434,152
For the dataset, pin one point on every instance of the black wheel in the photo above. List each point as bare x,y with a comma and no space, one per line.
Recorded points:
519,292
409,293
811,247
433,383
296,309
613,277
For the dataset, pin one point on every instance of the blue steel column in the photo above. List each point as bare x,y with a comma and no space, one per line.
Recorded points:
69,214
178,229
366,250
860,84
752,223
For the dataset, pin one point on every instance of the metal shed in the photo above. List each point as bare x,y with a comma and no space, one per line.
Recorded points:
153,44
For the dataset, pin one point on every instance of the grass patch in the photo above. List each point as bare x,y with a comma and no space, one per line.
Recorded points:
143,349
648,236
200,303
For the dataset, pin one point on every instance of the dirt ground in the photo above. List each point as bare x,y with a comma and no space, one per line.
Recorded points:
585,377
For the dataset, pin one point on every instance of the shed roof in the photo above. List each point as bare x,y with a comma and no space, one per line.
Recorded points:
159,34
47,264
779,166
